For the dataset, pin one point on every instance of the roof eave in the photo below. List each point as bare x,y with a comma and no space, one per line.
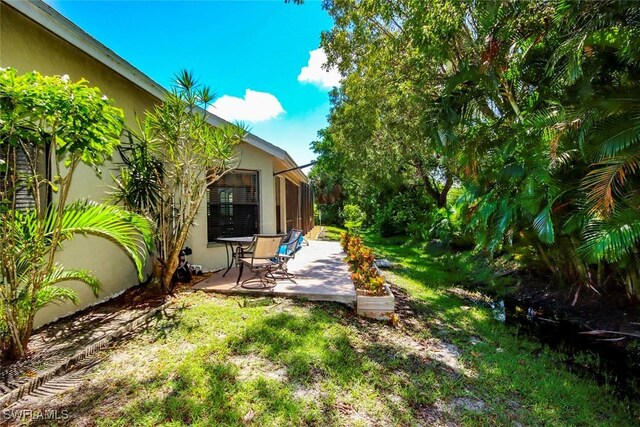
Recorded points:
49,18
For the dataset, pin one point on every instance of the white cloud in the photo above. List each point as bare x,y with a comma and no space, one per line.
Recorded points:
254,107
314,72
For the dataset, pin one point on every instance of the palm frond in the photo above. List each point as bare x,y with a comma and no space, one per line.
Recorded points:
606,183
612,239
60,274
543,225
139,185
53,294
132,232
615,134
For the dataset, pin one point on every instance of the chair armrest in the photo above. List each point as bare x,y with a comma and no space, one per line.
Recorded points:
242,250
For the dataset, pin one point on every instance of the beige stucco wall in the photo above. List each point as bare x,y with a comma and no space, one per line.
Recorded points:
26,46
212,256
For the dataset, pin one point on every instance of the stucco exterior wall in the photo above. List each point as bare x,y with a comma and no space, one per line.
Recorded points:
26,46
211,256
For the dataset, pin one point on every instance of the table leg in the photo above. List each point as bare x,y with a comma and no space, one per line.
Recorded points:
228,245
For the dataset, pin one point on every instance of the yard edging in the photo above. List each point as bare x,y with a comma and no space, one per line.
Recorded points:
41,379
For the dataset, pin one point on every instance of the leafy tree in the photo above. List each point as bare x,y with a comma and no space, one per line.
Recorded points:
380,120
531,106
48,127
328,179
354,218
169,164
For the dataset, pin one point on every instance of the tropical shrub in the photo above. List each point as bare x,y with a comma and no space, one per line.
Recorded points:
405,213
353,217
360,259
170,162
345,237
48,127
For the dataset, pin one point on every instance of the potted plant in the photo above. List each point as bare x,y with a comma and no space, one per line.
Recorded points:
374,298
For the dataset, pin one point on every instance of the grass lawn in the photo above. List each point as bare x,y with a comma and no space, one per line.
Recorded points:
332,233
234,361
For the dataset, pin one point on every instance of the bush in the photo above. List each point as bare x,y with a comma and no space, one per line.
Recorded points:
328,215
406,213
361,264
354,218
447,226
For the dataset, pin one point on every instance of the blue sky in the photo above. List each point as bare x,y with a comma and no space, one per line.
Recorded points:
252,53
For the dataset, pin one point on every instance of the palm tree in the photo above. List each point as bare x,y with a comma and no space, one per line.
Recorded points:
32,282
48,127
169,164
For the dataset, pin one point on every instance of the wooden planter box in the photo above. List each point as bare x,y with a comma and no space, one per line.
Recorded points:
379,307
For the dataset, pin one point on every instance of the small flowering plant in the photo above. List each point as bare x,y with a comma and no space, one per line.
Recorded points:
360,259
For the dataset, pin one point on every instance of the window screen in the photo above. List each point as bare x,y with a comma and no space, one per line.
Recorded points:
233,206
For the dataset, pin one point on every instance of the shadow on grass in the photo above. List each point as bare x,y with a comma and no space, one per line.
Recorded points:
320,365
518,375
332,376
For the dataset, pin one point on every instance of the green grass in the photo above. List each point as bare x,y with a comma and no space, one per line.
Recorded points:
234,361
506,363
331,232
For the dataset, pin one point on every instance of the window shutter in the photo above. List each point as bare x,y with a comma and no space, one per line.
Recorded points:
233,203
13,185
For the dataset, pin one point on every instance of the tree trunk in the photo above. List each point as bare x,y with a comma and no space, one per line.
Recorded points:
156,275
17,350
17,345
168,269
439,196
442,197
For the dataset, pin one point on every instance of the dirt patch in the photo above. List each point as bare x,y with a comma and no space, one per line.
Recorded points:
468,404
305,392
54,343
353,416
433,415
251,367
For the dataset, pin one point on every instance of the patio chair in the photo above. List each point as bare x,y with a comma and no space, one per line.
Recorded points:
290,246
262,258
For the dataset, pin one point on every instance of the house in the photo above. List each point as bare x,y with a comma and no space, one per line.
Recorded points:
267,193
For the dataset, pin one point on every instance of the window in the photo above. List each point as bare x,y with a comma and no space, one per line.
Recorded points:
234,206
15,170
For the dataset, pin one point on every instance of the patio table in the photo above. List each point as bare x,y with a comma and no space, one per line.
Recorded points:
229,242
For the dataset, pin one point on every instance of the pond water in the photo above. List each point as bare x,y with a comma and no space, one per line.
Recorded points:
613,360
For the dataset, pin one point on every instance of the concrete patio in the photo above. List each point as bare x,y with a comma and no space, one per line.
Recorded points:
320,275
